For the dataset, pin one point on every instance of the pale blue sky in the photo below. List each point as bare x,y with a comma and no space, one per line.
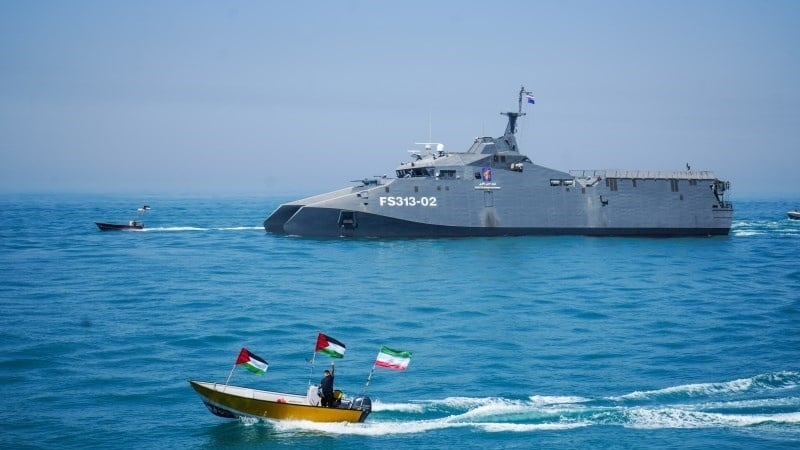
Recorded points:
269,97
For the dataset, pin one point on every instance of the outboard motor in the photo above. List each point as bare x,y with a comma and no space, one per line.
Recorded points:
362,403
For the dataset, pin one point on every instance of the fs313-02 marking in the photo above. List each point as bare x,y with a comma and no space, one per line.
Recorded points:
407,201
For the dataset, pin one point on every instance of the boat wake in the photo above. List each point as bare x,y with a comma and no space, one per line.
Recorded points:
174,229
783,227
769,401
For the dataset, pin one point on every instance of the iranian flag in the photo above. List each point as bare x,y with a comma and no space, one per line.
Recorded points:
329,346
393,359
252,362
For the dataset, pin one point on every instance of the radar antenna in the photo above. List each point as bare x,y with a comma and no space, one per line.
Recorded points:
512,116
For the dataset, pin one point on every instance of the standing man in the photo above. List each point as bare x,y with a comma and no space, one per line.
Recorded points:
326,386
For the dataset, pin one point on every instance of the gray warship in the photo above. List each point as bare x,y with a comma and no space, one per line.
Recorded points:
494,190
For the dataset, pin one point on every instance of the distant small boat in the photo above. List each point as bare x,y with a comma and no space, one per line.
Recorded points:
235,402
133,225
794,214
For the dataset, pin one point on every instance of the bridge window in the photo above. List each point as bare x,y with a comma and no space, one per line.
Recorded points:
415,172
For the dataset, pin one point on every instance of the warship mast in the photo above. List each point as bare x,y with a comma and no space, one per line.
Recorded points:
512,116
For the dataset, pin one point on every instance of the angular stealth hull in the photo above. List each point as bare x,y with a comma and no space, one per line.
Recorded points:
493,190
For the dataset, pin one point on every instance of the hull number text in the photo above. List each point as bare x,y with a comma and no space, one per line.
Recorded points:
407,201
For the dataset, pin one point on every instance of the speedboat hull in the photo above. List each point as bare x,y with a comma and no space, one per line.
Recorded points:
794,215
237,402
118,227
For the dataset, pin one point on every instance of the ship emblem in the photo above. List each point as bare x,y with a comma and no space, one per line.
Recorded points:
486,174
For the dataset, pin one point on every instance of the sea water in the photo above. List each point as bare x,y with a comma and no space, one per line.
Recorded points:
523,342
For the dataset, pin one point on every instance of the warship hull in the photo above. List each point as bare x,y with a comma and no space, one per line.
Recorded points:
376,226
365,212
494,190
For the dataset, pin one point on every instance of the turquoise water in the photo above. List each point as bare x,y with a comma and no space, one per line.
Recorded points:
540,342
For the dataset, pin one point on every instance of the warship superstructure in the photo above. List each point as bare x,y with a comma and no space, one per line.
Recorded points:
494,190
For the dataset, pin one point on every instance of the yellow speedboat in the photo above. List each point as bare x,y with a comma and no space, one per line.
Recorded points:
235,401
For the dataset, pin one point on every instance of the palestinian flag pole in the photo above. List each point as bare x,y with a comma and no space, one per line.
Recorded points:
389,359
328,346
249,361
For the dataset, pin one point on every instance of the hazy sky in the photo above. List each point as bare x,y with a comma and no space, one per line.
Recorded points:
299,97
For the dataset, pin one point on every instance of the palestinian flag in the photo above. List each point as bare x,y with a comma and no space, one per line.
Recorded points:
251,362
393,359
329,346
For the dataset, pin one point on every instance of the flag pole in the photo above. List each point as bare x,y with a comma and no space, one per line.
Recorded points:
369,378
230,374
313,360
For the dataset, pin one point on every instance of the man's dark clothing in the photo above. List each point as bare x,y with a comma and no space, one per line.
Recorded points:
326,386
